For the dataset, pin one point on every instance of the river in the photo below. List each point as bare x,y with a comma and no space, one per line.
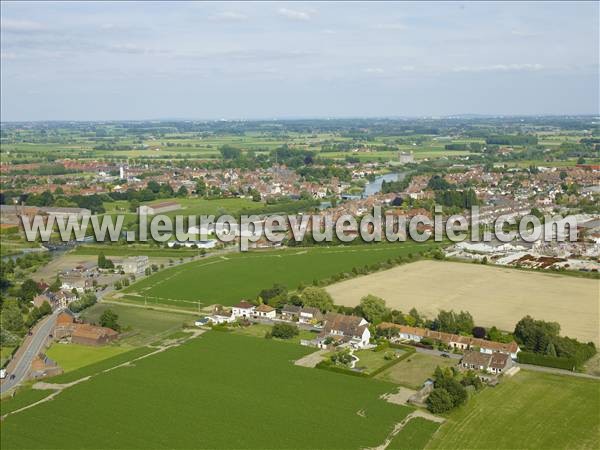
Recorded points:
374,187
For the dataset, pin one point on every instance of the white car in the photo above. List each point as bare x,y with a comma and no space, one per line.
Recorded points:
2,374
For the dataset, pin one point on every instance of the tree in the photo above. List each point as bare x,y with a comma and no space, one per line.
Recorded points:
439,401
318,298
134,205
109,319
182,192
12,319
284,331
478,332
29,289
104,262
373,308
45,309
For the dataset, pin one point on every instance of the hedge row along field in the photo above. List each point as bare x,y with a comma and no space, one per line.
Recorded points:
227,279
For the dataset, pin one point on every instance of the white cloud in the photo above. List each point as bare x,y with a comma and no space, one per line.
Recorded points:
374,70
20,26
228,16
499,68
523,33
295,14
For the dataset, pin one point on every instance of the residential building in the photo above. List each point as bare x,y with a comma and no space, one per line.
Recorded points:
456,341
158,208
290,312
134,264
309,314
350,330
243,309
495,363
265,312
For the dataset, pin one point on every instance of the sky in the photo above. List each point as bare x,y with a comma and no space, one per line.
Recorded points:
269,60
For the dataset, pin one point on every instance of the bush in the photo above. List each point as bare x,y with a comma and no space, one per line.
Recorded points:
547,361
439,401
284,331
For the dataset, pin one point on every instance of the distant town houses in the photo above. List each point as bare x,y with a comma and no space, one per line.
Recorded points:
454,341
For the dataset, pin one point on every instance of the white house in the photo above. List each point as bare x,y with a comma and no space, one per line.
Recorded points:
243,309
352,330
265,312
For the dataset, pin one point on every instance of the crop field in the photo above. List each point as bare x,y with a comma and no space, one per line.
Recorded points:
227,279
413,371
531,410
205,393
495,296
415,435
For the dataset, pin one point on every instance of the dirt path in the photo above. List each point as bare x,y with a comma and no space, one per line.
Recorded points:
399,426
399,398
311,360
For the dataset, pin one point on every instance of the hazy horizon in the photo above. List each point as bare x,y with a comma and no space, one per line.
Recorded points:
285,61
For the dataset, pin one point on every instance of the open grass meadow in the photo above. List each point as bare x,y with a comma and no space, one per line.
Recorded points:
24,396
206,394
74,356
414,370
227,279
139,326
531,410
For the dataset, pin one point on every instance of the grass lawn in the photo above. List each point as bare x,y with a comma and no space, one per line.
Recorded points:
370,361
5,354
100,366
74,356
415,435
140,326
259,330
413,371
217,391
134,250
227,279
531,410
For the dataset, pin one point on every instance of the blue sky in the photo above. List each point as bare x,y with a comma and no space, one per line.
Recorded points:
112,61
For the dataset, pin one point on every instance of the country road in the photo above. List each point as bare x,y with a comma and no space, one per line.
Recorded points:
31,347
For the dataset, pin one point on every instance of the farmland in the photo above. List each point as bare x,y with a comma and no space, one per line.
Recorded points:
532,410
212,383
494,296
227,279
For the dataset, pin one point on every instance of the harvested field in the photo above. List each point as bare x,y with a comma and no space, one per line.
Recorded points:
493,295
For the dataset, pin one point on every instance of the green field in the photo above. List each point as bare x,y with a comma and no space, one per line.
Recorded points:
217,391
227,279
369,360
24,396
413,371
530,410
415,435
74,356
139,326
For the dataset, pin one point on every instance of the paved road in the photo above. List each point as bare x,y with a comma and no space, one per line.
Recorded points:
20,364
557,371
437,353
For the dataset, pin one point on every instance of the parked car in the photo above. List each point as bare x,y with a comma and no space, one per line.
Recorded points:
2,374
445,355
